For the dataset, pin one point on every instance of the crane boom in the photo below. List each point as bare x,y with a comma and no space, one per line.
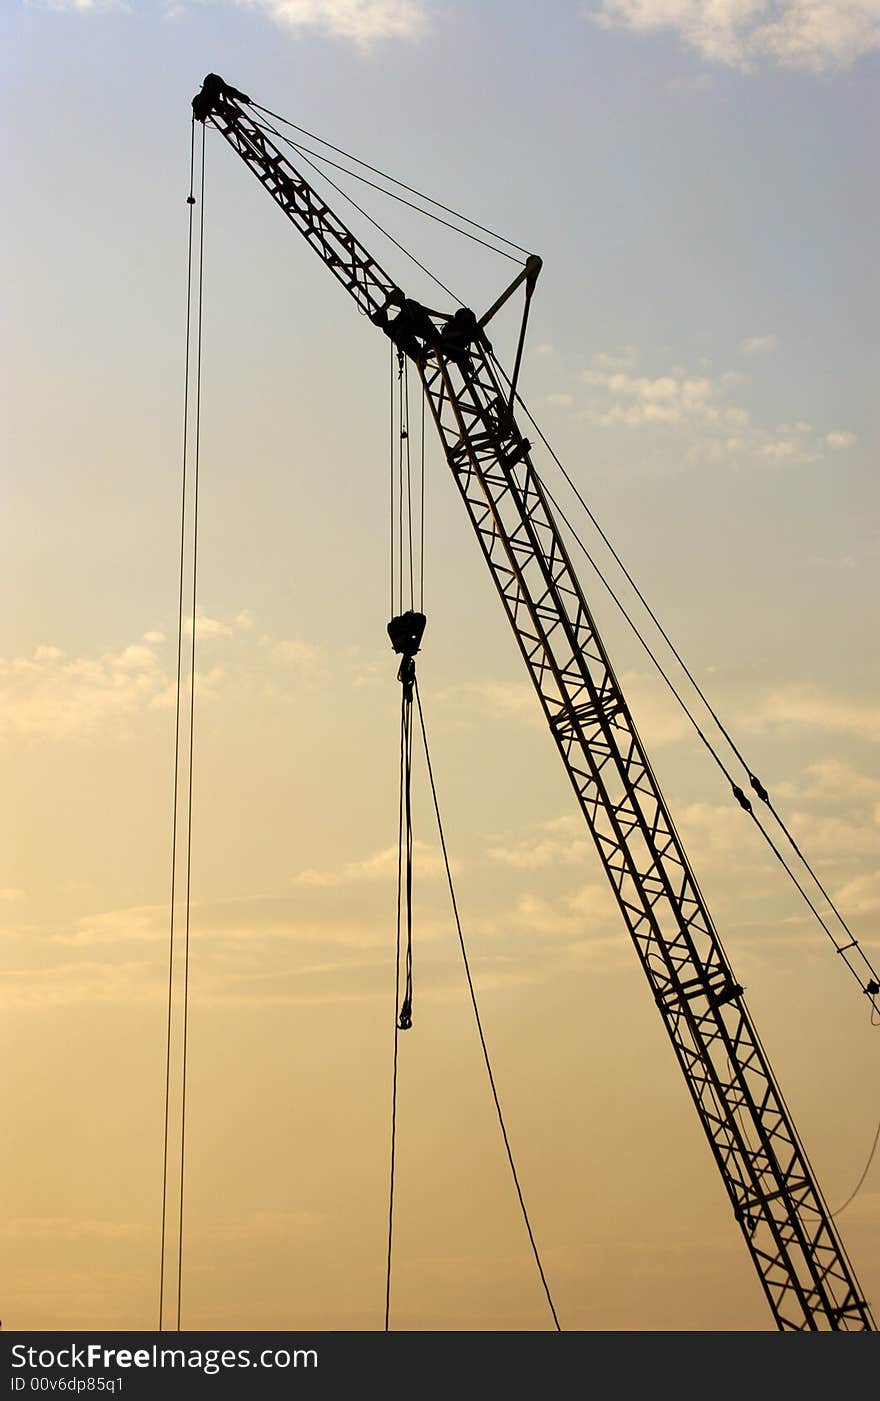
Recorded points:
795,1247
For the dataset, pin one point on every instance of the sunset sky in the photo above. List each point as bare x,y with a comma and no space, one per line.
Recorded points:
699,178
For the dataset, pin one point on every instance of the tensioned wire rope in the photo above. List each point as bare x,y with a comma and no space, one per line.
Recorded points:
844,950
305,153
868,983
309,156
479,1023
499,238
715,756
404,567
189,430
376,225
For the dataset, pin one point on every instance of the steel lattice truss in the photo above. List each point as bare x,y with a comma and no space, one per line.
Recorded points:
799,1257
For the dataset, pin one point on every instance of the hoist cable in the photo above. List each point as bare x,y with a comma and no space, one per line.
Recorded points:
866,983
192,701
176,782
405,855
376,225
854,1193
319,156
422,510
400,184
400,533
391,474
405,437
473,996
396,1042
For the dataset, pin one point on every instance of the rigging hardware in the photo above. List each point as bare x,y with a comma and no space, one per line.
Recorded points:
800,1259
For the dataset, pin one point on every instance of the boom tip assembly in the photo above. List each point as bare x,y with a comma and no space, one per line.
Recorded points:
214,91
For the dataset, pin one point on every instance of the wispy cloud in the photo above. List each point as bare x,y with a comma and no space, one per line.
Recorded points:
79,7
860,896
699,407
840,440
815,35
675,399
50,695
758,345
473,700
808,707
362,22
562,841
379,866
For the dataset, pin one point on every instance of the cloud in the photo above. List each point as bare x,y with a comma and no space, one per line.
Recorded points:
674,400
830,778
698,405
807,707
860,896
562,842
79,7
758,345
380,866
363,22
624,359
813,35
299,657
840,440
207,628
474,700
65,984
51,695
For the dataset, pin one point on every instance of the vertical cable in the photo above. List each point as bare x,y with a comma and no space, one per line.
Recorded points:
191,203
409,502
396,1026
422,511
400,440
392,445
192,701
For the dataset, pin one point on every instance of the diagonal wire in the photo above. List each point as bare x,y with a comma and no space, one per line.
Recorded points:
842,950
399,183
176,785
354,175
867,983
473,995
192,701
376,225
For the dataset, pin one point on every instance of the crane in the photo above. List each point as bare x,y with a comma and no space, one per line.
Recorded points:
791,1238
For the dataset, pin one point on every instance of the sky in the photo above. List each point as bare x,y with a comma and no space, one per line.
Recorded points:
702,354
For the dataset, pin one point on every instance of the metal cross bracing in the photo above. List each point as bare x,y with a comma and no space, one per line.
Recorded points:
800,1259
372,289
